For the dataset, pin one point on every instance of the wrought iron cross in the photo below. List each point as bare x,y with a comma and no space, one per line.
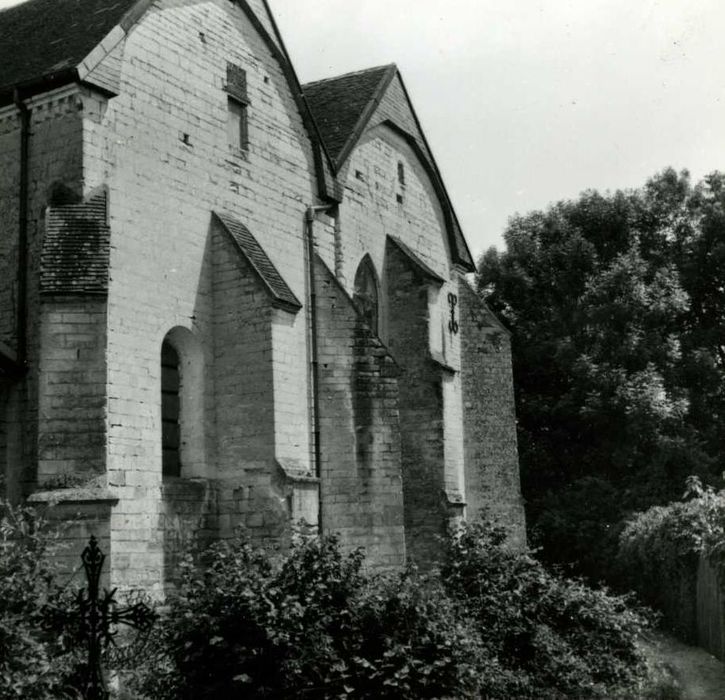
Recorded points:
97,617
453,324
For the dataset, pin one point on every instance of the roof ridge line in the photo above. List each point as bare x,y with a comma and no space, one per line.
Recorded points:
366,114
350,74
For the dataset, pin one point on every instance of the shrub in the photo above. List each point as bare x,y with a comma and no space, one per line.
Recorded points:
558,636
313,626
34,662
492,624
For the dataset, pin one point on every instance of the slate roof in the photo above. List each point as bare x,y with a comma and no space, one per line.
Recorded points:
247,244
76,248
340,105
417,263
46,39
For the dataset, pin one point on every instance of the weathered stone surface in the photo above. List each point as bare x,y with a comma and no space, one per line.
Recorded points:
415,417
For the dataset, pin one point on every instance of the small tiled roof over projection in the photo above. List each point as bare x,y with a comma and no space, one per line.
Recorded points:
76,248
248,245
340,104
419,265
45,39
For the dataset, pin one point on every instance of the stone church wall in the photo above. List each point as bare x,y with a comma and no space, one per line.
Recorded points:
361,479
161,146
422,429
54,164
88,415
491,455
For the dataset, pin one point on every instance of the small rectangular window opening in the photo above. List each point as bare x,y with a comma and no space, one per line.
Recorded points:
237,125
401,173
237,108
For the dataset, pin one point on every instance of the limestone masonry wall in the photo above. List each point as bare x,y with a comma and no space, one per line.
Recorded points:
361,479
202,244
54,163
72,391
162,147
491,455
421,410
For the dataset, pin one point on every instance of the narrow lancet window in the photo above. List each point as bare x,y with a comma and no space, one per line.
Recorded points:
170,411
366,293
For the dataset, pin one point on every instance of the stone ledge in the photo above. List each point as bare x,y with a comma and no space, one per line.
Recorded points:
74,495
454,498
295,472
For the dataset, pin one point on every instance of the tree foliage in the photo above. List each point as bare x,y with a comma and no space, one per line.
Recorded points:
616,303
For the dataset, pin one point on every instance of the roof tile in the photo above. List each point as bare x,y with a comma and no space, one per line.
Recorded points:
338,103
248,245
76,249
41,38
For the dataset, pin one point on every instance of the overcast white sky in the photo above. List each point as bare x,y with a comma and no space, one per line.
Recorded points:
528,101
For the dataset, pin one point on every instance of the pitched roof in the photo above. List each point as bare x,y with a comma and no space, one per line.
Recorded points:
43,43
282,296
342,105
45,39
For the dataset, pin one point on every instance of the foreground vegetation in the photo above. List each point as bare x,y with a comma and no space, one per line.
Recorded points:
660,551
36,659
492,623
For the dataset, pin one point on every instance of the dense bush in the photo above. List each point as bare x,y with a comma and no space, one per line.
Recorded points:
313,626
492,624
660,548
34,662
557,636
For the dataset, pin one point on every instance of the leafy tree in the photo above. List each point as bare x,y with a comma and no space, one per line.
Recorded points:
616,305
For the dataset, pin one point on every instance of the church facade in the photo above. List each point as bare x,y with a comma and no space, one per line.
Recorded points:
230,302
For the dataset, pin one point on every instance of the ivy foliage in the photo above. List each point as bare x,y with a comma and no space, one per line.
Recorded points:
492,623
660,549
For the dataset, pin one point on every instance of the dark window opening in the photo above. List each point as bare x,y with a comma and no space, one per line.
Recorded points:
365,295
237,108
237,125
401,173
170,411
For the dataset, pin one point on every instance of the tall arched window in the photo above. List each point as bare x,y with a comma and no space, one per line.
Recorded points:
366,296
170,410
183,428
